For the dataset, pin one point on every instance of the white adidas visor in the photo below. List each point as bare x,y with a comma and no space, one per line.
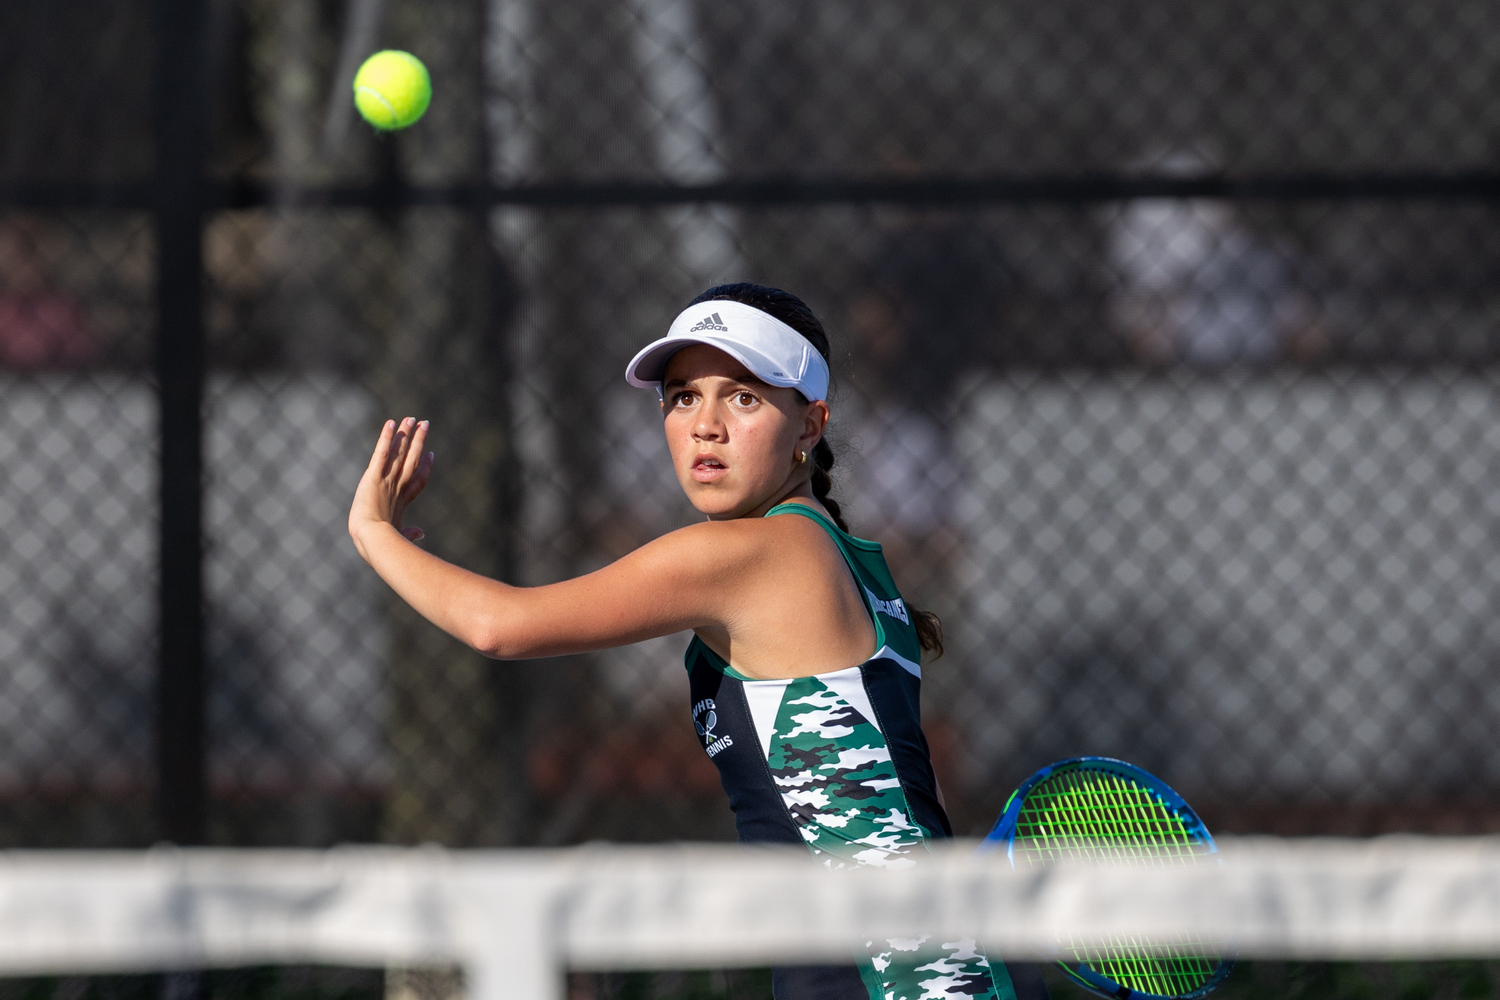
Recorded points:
777,354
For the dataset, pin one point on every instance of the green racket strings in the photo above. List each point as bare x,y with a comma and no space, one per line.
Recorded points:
1096,815
1167,970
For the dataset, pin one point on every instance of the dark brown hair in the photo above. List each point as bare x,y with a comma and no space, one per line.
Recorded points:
794,313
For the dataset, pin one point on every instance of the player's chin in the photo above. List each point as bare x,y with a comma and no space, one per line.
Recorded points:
719,500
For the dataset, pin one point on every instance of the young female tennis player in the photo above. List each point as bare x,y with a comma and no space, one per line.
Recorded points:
805,669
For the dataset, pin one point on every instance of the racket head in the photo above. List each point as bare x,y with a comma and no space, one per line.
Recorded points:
1103,808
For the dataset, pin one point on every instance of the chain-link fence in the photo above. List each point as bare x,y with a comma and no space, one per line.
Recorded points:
1165,343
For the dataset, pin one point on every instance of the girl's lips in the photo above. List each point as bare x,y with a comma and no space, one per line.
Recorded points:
708,468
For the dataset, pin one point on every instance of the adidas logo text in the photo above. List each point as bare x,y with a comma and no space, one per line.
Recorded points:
710,323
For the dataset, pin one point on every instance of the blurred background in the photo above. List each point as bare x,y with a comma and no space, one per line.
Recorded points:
1166,371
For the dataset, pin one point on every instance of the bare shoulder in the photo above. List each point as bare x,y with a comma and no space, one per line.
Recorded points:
749,588
795,526
790,542
706,548
755,540
806,543
746,533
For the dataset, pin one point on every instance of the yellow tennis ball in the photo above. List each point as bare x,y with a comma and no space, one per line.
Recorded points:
392,90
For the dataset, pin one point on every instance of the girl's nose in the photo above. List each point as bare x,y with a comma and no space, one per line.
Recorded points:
709,426
708,430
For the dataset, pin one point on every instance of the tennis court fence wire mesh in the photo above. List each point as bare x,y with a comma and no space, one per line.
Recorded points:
1165,370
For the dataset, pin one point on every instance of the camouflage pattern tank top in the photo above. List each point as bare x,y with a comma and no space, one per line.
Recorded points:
837,761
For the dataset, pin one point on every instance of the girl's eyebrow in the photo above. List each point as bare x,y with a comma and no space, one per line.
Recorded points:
749,379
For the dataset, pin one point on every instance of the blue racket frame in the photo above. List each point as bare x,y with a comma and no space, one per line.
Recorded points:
1004,832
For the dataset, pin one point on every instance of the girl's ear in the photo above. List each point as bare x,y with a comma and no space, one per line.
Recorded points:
815,421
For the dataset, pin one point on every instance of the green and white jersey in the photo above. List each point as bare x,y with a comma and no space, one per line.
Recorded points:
837,761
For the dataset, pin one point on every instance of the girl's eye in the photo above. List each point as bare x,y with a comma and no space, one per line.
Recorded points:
683,399
745,398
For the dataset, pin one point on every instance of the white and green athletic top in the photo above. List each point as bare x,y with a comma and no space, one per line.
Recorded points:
837,761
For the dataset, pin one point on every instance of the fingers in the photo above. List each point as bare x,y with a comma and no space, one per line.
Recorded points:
399,460
419,478
397,472
382,451
402,447
412,456
399,448
413,534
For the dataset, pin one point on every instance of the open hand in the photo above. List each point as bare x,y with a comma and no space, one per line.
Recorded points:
397,472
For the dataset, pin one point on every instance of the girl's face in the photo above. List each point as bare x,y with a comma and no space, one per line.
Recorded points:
734,439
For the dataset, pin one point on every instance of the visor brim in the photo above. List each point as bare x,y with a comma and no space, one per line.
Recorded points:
648,367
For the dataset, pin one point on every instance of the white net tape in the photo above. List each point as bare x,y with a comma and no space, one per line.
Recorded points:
515,919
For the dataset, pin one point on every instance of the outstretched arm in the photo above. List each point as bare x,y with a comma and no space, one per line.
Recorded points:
687,579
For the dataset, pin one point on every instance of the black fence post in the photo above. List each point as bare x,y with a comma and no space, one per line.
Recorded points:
182,104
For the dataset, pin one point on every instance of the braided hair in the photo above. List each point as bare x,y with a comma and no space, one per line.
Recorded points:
795,313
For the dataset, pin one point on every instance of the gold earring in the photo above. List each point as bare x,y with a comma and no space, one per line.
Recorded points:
801,456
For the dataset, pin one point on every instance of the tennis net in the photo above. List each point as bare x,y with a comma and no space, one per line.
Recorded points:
515,921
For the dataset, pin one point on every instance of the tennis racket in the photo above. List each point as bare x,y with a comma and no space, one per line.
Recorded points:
1102,808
